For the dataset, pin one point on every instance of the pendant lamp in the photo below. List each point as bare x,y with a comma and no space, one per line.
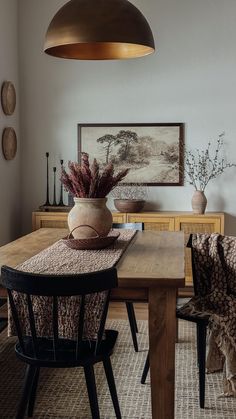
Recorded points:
99,30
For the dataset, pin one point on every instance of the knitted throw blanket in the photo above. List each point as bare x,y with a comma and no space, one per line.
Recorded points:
214,259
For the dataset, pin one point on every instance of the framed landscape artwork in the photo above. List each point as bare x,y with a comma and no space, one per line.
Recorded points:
152,152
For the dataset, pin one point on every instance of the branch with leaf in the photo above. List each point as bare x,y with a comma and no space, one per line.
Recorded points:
202,166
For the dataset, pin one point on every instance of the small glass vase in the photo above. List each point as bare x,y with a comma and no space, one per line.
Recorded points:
199,202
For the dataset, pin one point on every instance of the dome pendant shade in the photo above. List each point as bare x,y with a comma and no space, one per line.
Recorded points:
99,30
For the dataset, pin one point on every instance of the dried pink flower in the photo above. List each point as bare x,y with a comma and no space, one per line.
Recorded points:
86,182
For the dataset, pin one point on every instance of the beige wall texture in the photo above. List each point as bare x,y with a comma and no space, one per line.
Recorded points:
191,78
10,210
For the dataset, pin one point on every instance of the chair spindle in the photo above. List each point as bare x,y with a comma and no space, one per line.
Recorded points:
16,320
32,325
102,322
80,326
55,325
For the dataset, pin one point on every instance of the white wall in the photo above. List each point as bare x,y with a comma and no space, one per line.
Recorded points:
191,78
9,170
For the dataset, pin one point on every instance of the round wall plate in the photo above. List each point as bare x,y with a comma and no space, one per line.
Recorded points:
8,97
9,143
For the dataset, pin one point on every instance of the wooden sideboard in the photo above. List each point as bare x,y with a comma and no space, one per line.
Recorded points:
211,222
49,219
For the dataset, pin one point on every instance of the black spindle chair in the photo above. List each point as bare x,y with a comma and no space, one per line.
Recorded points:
201,322
129,304
57,352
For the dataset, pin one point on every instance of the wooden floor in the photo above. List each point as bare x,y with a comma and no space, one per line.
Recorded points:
118,311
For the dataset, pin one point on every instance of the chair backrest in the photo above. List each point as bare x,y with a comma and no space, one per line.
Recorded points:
196,269
206,257
129,226
34,286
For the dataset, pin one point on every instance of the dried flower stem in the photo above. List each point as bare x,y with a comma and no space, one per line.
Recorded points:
86,182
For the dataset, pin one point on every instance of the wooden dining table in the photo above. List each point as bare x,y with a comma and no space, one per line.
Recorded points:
151,269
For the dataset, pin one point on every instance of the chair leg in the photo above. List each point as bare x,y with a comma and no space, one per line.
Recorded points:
131,305
29,376
197,344
33,393
112,386
132,322
145,370
201,349
92,391
177,331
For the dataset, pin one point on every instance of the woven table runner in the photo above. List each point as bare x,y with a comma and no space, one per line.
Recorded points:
59,259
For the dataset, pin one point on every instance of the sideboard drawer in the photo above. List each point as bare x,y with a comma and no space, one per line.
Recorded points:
48,219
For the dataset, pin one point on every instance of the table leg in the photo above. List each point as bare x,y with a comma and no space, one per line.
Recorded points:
162,330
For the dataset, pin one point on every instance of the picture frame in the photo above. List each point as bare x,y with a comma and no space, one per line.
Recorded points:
154,152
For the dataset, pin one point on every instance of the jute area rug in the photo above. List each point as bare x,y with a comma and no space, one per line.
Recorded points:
62,393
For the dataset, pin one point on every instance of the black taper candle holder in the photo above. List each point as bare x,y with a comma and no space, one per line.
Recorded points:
61,203
54,186
47,203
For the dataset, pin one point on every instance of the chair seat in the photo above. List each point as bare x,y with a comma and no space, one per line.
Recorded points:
66,349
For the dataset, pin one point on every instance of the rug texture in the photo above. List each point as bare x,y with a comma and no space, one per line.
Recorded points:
62,393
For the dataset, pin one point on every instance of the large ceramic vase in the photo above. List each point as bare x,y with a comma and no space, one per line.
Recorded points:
92,213
199,202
